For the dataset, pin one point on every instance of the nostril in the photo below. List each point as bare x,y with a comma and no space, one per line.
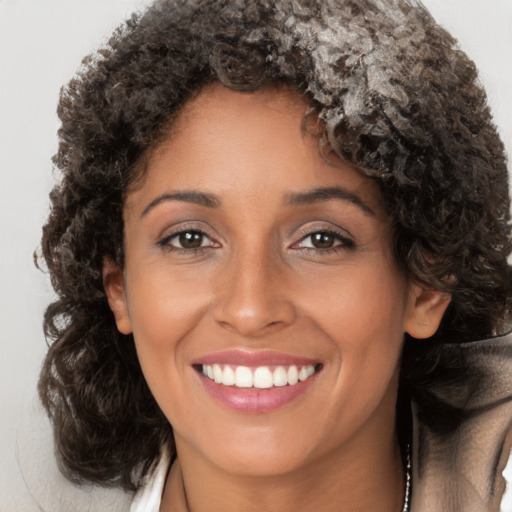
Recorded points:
252,314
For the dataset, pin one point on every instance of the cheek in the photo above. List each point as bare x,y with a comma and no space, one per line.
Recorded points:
359,303
362,312
162,304
163,310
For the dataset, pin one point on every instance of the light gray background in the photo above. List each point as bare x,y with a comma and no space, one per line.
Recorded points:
41,45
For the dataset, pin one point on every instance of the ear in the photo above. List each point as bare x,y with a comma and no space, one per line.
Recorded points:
113,283
425,310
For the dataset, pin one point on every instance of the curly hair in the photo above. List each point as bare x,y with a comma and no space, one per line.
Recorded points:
396,98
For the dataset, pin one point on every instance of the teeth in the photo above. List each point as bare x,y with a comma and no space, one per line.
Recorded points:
243,377
228,376
280,376
261,378
303,374
217,373
293,375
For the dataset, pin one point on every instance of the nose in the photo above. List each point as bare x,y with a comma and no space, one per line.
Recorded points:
252,299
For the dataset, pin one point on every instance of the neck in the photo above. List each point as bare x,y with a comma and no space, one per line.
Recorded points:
357,478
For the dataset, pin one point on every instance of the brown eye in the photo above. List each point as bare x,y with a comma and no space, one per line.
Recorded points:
190,239
322,240
187,240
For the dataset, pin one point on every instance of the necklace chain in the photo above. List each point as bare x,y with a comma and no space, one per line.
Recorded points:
407,480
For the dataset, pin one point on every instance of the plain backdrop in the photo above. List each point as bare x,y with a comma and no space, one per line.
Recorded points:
41,45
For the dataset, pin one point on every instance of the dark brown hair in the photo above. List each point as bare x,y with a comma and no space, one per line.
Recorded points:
396,98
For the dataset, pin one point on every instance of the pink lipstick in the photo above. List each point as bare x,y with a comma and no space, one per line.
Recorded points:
255,382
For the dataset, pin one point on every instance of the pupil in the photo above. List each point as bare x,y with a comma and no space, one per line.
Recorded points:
191,240
322,240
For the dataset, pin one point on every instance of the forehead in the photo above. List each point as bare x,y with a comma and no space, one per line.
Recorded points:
221,122
215,99
245,144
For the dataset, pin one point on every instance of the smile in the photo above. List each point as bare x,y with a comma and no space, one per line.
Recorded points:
261,377
256,382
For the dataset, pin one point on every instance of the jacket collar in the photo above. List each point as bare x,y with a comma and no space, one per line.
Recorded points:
462,421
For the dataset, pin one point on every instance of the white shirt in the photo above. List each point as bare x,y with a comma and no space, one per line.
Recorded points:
149,496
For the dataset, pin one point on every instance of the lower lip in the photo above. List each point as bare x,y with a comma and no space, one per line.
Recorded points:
251,400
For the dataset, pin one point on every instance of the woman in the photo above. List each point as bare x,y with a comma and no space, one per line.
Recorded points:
263,210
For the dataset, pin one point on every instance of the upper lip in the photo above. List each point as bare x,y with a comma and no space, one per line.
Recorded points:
262,358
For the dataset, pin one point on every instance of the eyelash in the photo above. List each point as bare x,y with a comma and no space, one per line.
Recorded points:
165,243
345,243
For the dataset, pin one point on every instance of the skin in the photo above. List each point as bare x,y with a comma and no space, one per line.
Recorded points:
259,283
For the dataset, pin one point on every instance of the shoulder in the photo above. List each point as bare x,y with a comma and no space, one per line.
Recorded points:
462,422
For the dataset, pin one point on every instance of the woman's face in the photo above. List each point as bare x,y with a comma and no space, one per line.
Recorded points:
251,258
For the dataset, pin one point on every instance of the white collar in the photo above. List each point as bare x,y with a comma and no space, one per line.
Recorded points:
149,496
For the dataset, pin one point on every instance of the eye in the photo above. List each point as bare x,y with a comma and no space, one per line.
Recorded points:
190,239
321,240
324,240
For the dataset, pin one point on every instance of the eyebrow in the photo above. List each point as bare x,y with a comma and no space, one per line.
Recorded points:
327,193
188,196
